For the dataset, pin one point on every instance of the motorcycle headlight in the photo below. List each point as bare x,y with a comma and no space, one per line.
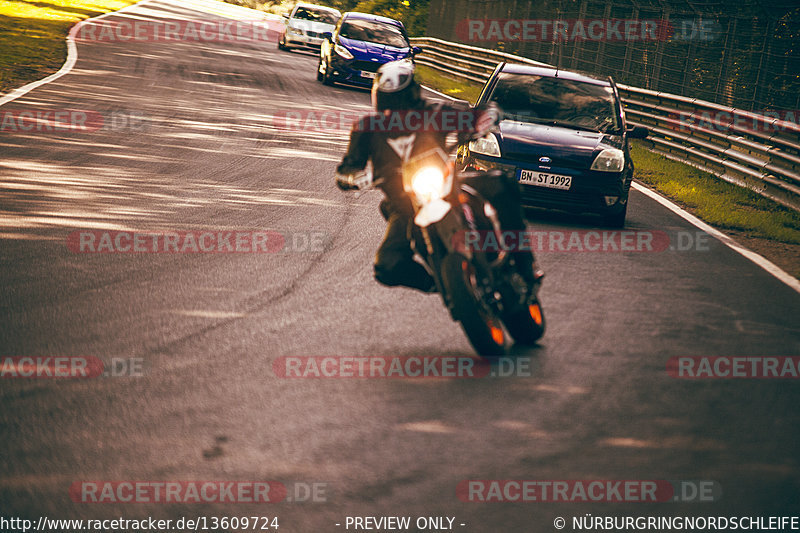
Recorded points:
609,160
487,145
428,184
342,51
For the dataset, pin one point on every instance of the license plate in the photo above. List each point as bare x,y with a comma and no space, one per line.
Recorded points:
365,74
545,179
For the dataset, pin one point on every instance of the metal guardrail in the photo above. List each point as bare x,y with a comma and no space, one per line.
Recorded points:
467,62
747,149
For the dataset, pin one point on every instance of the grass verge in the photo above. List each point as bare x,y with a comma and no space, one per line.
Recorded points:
448,85
33,36
762,225
717,202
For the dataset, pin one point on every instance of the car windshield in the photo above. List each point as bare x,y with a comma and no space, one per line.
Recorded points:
556,101
373,31
316,15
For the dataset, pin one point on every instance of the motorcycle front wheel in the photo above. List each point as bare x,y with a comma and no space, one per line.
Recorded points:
483,329
526,325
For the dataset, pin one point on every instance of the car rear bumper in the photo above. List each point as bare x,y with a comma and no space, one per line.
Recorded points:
303,41
344,71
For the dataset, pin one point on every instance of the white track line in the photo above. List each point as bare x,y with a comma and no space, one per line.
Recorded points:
72,57
762,262
208,6
767,265
438,93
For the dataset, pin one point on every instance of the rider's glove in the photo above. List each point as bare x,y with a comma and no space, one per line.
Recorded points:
487,120
359,180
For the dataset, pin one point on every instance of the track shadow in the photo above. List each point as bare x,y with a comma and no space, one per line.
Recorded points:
537,215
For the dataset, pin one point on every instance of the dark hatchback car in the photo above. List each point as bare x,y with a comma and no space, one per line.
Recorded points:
563,136
359,45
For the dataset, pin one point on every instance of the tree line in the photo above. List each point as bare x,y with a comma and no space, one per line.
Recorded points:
412,13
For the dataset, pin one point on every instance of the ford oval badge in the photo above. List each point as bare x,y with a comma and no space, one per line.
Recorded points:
545,160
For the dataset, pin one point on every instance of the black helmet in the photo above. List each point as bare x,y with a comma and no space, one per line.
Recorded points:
395,87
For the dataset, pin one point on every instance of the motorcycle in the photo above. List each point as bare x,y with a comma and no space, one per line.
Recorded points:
482,289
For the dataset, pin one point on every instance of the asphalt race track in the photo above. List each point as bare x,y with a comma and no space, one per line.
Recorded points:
193,137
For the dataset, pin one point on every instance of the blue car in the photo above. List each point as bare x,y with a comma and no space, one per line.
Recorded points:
359,45
563,136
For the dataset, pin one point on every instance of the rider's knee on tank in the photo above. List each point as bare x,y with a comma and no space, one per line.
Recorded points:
392,266
386,208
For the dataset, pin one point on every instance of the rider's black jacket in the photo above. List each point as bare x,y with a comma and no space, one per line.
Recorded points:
389,139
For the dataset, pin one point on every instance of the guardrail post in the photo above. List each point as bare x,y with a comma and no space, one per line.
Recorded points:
724,94
764,52
659,57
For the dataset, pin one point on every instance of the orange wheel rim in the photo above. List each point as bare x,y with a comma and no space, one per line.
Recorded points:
497,334
536,313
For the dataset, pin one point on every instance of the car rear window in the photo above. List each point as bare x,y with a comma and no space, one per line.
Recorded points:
315,15
373,31
557,101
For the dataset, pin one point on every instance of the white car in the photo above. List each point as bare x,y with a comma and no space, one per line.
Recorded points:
305,25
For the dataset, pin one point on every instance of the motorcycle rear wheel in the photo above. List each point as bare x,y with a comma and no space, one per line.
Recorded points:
484,331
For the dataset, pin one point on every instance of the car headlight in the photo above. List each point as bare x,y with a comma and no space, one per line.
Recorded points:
295,31
487,145
609,160
428,184
342,51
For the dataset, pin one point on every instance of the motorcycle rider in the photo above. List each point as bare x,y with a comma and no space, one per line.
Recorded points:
388,141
